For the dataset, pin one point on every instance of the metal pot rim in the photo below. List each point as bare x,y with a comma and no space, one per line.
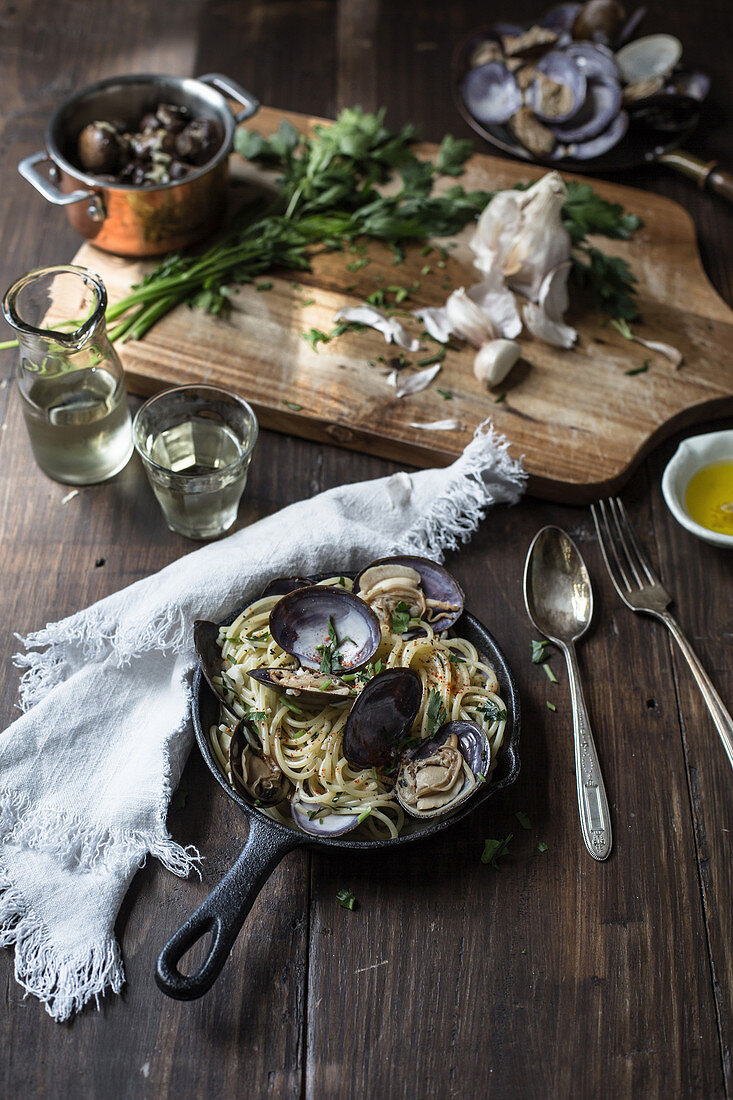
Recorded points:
187,85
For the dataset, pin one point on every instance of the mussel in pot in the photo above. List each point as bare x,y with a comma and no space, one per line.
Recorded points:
440,774
428,591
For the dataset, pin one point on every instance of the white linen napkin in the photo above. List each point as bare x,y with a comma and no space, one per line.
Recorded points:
86,774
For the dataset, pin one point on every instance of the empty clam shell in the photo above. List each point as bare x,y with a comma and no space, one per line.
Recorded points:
561,17
208,651
596,146
280,586
490,93
558,91
320,821
382,717
594,59
299,623
648,57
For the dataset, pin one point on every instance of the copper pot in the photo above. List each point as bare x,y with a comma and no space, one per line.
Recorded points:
151,219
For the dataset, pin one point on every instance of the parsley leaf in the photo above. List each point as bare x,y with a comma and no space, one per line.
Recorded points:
549,673
346,899
452,155
492,711
494,850
538,651
401,618
436,712
523,819
542,847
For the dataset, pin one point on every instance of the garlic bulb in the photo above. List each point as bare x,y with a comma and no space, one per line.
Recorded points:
521,234
494,361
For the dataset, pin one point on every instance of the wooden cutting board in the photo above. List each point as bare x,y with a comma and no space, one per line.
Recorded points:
578,420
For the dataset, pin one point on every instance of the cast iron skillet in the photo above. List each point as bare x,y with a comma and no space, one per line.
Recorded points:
224,911
641,145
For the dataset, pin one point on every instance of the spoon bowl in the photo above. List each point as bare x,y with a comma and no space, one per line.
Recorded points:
557,588
559,601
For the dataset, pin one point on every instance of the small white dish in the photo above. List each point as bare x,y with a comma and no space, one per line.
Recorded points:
692,455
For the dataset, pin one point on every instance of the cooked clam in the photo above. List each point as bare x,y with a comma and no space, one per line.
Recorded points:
305,685
428,590
381,718
442,773
327,629
256,777
559,88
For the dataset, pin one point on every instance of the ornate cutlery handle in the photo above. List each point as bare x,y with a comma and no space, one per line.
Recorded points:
721,716
595,818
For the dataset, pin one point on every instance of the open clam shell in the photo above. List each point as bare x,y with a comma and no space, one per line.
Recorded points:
602,105
646,58
208,651
255,777
440,774
280,586
442,592
597,146
558,91
305,685
491,93
299,623
595,60
381,718
320,822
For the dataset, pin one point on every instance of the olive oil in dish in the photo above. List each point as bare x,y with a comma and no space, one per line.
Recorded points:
709,497
78,424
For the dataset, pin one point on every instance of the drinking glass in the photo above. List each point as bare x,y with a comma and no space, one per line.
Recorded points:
196,445
69,377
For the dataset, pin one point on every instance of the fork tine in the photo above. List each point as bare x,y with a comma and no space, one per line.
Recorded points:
641,555
623,541
608,549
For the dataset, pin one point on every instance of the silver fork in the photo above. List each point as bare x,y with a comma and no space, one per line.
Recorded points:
641,589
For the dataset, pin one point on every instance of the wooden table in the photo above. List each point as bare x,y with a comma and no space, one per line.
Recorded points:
554,977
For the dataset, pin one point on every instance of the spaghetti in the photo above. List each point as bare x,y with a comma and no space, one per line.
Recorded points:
306,742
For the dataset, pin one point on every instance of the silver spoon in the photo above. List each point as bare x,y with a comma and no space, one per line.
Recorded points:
559,601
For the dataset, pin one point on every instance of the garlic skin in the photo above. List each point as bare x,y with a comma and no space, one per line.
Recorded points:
466,320
547,330
521,234
390,327
494,361
497,302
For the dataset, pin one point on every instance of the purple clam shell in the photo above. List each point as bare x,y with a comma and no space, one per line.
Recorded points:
205,634
280,586
436,582
491,93
511,30
595,60
597,146
328,825
298,695
561,18
689,82
381,717
472,741
631,26
299,625
563,70
602,105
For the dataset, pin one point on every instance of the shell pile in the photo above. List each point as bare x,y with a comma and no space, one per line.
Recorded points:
569,86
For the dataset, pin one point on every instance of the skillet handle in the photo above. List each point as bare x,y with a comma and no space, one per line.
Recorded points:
706,174
222,913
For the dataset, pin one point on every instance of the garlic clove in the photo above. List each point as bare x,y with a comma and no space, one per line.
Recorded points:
494,361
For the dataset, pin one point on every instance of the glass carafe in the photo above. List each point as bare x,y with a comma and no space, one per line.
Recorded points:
69,376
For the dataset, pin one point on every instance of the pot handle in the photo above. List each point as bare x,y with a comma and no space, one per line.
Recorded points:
222,913
230,87
49,190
